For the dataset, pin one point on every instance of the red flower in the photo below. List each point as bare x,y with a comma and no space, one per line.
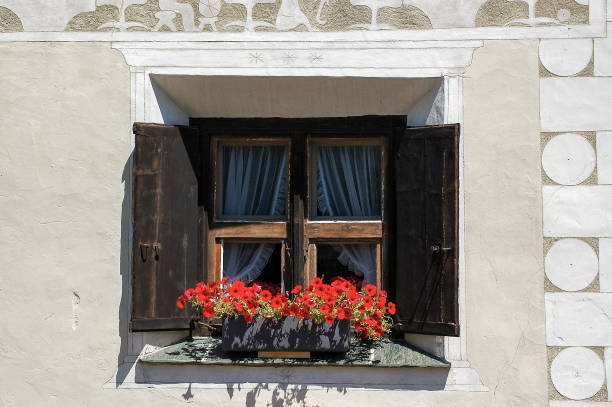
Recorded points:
296,289
223,281
189,293
294,309
239,307
226,300
276,302
367,302
285,312
344,313
381,299
329,319
236,289
325,309
208,311
382,293
180,302
316,281
329,300
391,308
370,289
309,302
371,322
253,305
378,331
352,297
247,317
265,295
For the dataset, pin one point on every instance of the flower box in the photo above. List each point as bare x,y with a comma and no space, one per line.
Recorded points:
284,334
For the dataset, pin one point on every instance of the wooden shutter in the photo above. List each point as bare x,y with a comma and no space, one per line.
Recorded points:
426,233
166,245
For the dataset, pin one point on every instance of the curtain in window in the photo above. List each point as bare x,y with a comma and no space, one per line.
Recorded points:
254,183
349,184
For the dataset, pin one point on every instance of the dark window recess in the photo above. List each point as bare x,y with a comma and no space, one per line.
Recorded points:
271,274
328,265
426,198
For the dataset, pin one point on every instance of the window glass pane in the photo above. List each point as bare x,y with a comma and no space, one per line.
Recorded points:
356,262
349,181
254,180
253,262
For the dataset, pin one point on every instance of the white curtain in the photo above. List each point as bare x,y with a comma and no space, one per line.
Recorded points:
349,184
254,183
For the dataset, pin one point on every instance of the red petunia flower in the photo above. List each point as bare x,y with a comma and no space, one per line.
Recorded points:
370,289
180,302
367,302
265,296
352,297
309,302
285,312
189,293
239,307
296,289
226,300
325,309
276,302
247,317
294,309
329,300
208,311
253,305
391,308
316,281
236,290
344,313
223,281
329,319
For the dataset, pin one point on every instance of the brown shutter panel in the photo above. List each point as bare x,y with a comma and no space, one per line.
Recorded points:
166,245
426,197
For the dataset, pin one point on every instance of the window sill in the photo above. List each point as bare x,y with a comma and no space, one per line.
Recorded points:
207,351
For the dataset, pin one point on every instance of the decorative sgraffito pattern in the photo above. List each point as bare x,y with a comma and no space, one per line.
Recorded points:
532,13
285,15
9,21
249,15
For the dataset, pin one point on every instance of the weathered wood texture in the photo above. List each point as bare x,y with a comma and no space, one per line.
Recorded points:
426,193
344,230
166,242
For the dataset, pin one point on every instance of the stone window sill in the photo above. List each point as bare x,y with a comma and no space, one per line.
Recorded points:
386,353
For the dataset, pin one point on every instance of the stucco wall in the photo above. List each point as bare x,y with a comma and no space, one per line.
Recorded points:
65,142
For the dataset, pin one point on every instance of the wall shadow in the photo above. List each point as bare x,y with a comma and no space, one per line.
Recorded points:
124,270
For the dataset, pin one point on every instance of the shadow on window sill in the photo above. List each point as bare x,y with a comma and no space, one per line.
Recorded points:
385,353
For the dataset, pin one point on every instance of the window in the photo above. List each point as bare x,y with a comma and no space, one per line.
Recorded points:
281,201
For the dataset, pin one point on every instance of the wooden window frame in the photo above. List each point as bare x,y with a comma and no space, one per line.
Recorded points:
250,229
341,229
297,131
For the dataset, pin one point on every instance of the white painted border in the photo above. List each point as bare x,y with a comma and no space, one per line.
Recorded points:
449,59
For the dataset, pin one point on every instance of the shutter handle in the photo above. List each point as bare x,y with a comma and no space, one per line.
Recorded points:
144,251
156,250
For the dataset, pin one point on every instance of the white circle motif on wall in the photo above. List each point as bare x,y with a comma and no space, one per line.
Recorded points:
583,2
563,15
571,264
577,373
566,57
568,159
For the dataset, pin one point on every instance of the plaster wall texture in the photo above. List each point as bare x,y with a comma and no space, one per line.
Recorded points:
65,132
